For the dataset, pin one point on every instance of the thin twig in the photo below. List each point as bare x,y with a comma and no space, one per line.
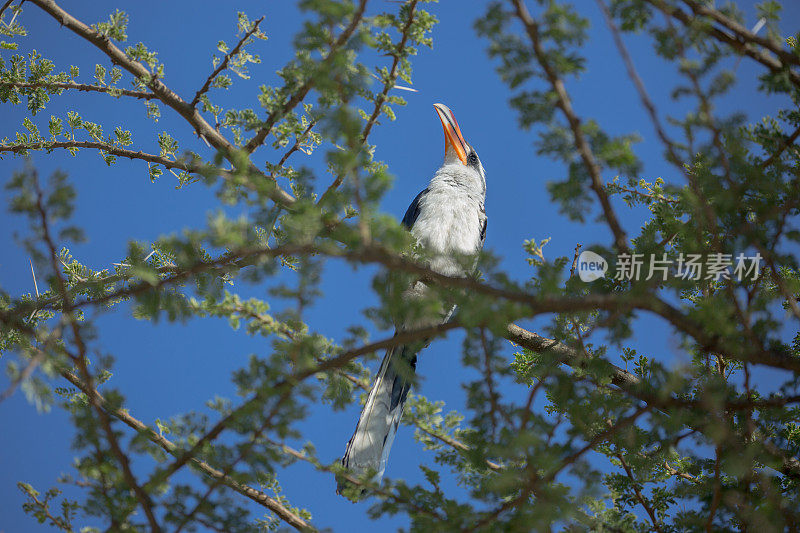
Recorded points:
296,146
84,87
224,64
5,6
644,195
638,493
301,93
34,362
456,444
488,373
381,99
786,144
640,88
109,148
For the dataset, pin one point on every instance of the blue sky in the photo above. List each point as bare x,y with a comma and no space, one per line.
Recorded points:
167,369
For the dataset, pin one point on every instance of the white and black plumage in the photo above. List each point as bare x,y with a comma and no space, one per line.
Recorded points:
448,219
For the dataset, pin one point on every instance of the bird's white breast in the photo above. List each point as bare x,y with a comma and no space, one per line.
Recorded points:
451,218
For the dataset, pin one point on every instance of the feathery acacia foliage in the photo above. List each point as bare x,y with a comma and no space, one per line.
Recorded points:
605,438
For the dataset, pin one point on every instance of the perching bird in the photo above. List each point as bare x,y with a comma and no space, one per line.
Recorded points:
448,219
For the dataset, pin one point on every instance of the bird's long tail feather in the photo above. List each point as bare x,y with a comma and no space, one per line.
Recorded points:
368,449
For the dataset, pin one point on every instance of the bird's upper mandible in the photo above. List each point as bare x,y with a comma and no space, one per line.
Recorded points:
454,143
456,149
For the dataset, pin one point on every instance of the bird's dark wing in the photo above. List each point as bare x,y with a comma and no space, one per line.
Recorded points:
413,210
483,228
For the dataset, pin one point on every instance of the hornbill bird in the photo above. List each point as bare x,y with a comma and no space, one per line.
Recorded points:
448,221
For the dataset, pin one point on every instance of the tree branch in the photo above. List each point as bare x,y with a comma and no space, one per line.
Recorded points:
374,253
638,493
786,144
568,355
224,64
786,57
455,444
113,91
255,495
364,385
717,490
304,89
389,83
5,6
742,47
632,385
80,361
164,94
565,105
109,148
640,88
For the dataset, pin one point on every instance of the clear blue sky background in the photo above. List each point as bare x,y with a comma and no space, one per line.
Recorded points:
167,369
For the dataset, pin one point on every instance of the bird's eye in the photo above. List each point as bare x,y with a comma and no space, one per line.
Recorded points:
472,159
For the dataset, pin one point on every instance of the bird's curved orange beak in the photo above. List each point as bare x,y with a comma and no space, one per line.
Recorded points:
452,133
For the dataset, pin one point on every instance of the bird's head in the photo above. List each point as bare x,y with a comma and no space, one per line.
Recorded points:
457,151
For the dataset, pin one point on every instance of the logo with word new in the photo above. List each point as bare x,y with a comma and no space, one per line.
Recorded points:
591,266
